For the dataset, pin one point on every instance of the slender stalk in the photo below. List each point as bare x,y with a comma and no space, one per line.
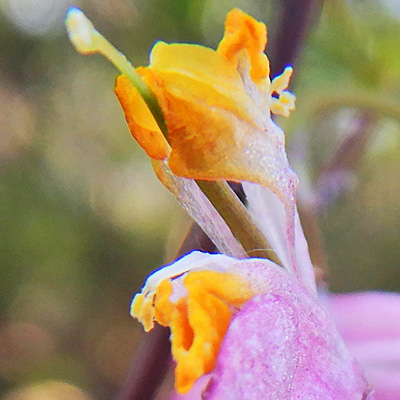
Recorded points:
121,62
149,365
87,40
238,219
332,179
384,105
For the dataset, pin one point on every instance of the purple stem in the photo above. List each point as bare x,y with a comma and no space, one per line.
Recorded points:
337,175
294,22
149,365
152,360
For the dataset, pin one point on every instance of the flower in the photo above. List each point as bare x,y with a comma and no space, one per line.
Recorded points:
217,107
243,328
258,329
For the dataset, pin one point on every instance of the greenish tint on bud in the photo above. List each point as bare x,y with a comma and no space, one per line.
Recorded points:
81,32
87,40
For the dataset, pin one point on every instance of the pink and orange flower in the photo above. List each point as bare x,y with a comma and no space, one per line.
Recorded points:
241,327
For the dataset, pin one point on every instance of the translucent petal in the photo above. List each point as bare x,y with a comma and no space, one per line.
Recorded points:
193,200
282,230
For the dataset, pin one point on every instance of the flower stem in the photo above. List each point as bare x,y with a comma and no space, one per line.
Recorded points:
238,219
294,21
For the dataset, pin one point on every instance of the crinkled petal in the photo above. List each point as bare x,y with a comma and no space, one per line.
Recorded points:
196,297
202,66
217,108
244,33
216,130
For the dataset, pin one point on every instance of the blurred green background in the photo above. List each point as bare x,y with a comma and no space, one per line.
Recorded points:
83,218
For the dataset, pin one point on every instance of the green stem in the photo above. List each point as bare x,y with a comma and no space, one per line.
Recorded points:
238,219
88,40
121,62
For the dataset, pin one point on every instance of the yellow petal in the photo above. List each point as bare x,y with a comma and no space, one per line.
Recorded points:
218,119
196,73
199,321
199,62
140,120
243,32
283,104
142,309
281,82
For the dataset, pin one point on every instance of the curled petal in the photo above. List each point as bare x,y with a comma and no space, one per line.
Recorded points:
197,297
244,33
217,108
140,120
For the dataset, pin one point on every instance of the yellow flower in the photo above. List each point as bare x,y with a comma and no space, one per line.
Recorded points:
217,107
196,297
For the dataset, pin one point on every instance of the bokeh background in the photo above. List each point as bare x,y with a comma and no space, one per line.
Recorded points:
83,218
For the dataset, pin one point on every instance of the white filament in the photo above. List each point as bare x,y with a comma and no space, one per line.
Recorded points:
81,32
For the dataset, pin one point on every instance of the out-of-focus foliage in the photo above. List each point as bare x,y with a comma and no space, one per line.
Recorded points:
82,217
350,81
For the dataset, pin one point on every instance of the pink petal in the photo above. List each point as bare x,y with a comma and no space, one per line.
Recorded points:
282,345
370,324
364,316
